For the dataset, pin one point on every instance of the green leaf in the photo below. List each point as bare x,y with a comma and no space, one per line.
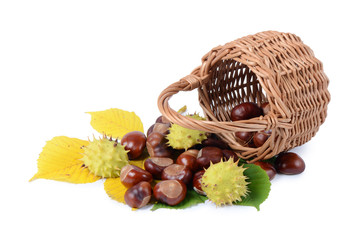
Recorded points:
259,186
192,198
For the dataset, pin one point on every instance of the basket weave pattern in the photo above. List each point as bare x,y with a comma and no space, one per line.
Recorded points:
269,67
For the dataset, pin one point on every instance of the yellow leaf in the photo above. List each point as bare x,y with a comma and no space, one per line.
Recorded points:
139,162
115,189
59,161
115,122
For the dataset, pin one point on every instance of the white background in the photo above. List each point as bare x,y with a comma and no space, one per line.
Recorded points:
60,59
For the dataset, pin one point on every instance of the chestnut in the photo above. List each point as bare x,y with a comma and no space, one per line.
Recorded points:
135,143
214,141
171,192
196,182
289,163
162,119
207,155
266,107
268,168
177,172
155,165
245,111
260,138
139,195
244,138
156,145
159,127
162,128
227,154
188,159
150,129
131,175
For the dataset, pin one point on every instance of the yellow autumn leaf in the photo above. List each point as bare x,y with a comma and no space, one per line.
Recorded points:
115,122
59,161
139,162
115,189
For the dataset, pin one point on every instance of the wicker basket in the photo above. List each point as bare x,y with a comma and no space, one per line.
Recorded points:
268,66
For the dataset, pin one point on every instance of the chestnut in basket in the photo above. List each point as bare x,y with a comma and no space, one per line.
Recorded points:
266,108
245,111
171,192
244,138
131,175
139,195
155,165
135,143
260,138
289,163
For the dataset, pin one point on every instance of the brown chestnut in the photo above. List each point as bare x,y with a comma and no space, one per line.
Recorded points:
268,168
135,143
188,159
245,111
159,127
229,154
177,172
131,175
162,128
289,163
266,108
156,145
244,138
155,165
139,195
150,129
196,182
162,119
207,155
260,138
171,192
214,141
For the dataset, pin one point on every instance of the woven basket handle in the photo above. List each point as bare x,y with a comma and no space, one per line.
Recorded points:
192,82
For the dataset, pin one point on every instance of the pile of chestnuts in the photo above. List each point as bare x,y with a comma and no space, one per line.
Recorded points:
245,111
177,171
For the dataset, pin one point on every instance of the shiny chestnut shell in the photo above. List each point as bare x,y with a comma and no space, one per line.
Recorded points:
139,195
155,165
268,168
196,182
289,163
207,155
188,159
132,175
177,172
246,110
171,192
135,143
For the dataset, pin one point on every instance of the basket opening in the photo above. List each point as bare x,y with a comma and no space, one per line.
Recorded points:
232,83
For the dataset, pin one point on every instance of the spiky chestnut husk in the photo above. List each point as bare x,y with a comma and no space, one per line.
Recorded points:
184,138
105,157
224,182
